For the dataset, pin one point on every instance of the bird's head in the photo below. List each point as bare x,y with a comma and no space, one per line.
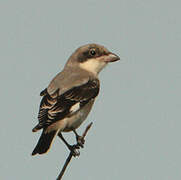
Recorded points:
92,58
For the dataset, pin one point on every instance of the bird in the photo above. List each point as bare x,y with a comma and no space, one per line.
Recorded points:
68,99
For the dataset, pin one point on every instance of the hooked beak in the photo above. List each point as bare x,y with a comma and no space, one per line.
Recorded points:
111,57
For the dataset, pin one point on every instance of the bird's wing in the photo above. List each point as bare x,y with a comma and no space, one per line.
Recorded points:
67,79
55,107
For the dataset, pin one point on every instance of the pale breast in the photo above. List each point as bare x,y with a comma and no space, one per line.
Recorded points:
74,121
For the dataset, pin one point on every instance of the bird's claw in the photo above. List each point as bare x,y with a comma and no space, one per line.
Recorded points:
74,150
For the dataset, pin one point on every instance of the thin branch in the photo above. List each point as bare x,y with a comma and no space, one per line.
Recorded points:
71,154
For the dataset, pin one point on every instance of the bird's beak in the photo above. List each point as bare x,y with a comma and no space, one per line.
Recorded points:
111,57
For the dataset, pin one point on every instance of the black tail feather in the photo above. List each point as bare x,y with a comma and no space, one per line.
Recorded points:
44,142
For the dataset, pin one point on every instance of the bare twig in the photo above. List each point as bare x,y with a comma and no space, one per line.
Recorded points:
71,154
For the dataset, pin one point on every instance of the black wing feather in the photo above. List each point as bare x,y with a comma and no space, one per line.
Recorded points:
56,107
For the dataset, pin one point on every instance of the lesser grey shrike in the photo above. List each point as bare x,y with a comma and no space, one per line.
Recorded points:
69,97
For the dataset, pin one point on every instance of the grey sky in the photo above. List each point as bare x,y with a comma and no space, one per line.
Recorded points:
137,117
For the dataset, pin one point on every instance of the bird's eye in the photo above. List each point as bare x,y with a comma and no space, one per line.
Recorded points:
93,52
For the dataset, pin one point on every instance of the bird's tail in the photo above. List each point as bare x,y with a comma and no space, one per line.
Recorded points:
44,142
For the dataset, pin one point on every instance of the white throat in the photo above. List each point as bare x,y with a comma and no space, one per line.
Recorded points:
93,65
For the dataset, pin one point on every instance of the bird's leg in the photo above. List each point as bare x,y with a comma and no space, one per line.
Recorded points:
73,148
80,139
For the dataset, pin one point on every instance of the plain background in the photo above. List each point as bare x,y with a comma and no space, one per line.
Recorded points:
137,116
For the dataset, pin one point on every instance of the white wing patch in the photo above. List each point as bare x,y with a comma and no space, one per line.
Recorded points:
75,107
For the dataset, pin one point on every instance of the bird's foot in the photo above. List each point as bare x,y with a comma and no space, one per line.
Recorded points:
74,149
80,141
